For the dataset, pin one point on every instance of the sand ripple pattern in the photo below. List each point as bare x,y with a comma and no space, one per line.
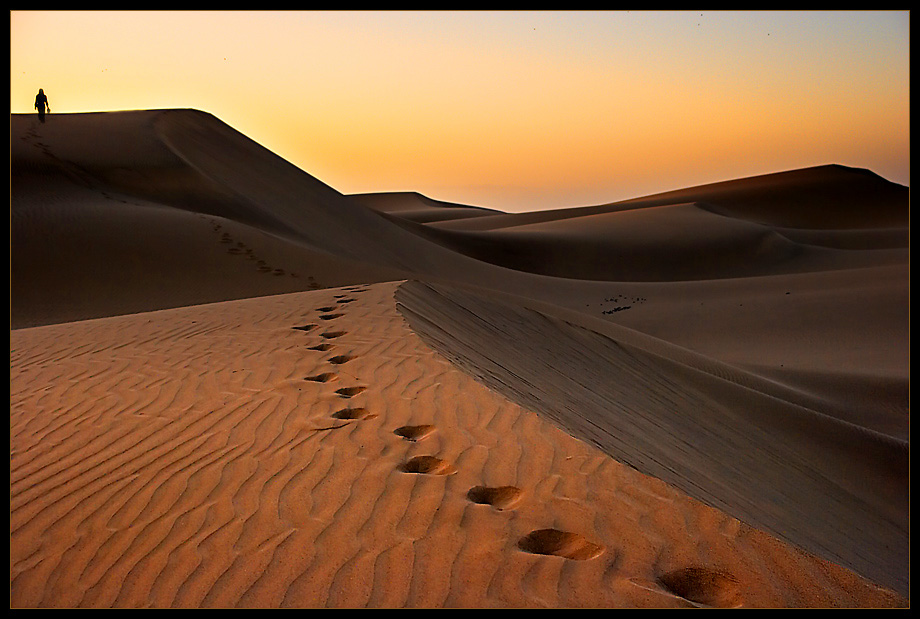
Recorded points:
183,459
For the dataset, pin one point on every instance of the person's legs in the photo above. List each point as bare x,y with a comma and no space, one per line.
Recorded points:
41,114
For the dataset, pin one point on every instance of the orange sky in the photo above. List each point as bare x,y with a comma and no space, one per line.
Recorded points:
511,110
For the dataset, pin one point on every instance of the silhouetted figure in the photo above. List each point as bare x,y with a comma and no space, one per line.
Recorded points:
41,104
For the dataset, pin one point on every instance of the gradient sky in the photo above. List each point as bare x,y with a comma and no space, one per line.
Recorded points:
512,110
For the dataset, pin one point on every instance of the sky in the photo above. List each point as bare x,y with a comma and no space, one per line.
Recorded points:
517,111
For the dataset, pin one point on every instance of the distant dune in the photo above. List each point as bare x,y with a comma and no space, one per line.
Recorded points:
415,207
233,386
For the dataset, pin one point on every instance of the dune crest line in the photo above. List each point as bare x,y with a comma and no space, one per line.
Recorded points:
636,406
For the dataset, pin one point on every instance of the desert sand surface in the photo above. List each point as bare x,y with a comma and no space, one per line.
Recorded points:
233,386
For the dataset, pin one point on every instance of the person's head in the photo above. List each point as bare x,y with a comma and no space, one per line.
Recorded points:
40,91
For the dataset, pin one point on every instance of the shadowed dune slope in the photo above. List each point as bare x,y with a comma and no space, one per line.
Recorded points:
76,255
120,212
785,222
828,197
673,242
722,435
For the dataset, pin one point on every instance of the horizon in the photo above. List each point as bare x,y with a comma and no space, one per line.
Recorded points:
420,101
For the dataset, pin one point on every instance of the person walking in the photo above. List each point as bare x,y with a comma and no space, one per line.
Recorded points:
41,104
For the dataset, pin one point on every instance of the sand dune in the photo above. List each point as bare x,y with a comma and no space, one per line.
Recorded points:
707,430
114,228
760,226
233,386
415,207
183,458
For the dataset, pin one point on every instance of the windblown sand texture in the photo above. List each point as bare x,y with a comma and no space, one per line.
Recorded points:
233,386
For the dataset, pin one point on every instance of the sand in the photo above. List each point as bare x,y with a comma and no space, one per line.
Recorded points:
233,386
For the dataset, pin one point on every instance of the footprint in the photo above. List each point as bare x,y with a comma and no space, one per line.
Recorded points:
322,347
333,334
704,585
414,433
326,309
560,544
500,497
323,378
340,359
344,301
347,392
324,429
428,465
331,316
354,413
306,328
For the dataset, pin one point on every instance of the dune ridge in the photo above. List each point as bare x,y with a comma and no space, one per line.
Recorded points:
707,435
413,206
229,481
178,172
234,386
